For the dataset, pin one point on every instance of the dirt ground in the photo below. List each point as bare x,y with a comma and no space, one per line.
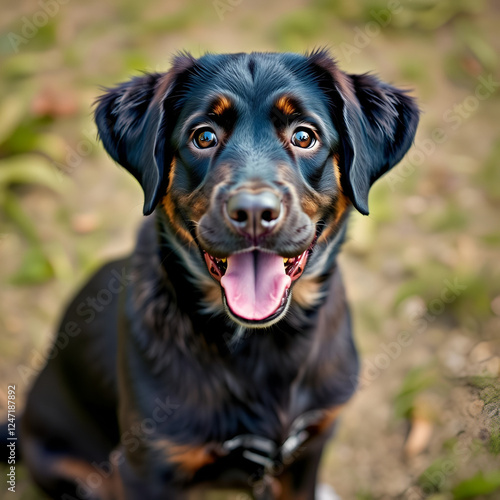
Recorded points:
422,270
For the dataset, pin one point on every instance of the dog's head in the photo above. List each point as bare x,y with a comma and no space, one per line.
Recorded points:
255,160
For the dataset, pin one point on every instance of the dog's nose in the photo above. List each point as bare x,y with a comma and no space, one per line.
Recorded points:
254,213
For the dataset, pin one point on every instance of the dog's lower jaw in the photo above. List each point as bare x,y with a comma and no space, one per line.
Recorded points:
263,323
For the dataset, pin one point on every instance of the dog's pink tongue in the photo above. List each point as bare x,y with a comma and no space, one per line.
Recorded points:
254,284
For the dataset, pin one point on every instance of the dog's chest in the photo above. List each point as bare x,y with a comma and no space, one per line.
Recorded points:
256,393
246,419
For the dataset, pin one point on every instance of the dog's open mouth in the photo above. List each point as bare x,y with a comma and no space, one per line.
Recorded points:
256,284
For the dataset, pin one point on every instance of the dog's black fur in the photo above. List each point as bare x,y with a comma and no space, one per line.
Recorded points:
154,382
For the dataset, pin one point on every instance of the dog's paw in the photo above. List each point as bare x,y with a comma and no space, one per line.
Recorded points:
326,492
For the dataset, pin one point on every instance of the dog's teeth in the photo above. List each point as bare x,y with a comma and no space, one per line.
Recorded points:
285,261
223,260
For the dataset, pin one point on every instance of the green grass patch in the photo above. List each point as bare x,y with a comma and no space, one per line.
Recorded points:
415,382
480,484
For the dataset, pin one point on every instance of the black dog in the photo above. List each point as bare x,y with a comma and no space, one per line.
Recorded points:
226,357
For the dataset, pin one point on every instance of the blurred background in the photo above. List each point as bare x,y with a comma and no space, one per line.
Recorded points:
421,271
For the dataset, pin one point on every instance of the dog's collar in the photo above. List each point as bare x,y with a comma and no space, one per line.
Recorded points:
267,458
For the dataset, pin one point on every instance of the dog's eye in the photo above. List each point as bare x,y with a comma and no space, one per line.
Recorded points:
205,138
303,138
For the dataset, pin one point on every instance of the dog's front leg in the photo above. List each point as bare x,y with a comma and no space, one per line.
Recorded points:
298,481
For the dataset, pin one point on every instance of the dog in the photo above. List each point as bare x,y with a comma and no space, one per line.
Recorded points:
220,353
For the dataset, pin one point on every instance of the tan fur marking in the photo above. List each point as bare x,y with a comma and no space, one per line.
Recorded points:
171,173
306,292
327,232
309,206
285,105
169,206
221,105
197,203
341,206
212,297
312,203
72,469
330,417
188,458
342,200
342,203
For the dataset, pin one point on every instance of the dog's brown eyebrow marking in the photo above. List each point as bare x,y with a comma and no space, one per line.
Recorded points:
220,105
286,105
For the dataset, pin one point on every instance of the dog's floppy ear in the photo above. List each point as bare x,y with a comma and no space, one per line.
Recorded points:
377,125
135,121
